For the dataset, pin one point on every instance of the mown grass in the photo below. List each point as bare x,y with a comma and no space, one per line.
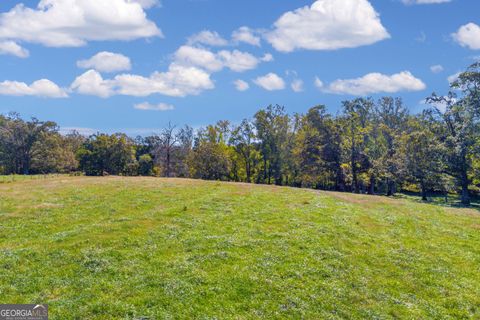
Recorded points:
147,248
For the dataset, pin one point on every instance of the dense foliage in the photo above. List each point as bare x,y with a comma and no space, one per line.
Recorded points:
369,147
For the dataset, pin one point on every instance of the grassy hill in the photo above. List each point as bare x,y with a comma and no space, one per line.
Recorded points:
147,248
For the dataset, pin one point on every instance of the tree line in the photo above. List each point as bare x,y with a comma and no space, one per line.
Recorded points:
370,146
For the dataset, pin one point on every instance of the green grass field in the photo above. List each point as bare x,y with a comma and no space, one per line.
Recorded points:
148,248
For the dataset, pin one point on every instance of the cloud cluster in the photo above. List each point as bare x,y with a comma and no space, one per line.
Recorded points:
106,62
328,25
41,88
73,23
207,37
12,48
203,58
188,74
376,83
246,35
177,81
468,36
270,82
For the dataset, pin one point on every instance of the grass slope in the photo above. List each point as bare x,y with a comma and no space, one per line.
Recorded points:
146,248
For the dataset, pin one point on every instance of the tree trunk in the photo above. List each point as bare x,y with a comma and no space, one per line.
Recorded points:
354,178
390,188
424,193
465,194
167,169
371,189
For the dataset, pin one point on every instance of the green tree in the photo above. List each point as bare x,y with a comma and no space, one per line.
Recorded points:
243,140
103,154
273,132
356,124
210,156
17,141
458,115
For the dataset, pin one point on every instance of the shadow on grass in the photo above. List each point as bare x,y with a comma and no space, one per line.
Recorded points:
451,201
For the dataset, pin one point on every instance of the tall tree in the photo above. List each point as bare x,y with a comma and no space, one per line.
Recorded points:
391,116
242,139
165,148
459,115
18,138
273,126
357,125
103,154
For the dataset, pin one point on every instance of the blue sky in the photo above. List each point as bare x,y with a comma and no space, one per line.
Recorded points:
181,57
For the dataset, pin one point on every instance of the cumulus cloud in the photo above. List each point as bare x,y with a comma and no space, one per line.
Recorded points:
297,85
270,82
12,48
246,35
193,56
318,83
178,81
40,88
454,77
425,1
189,73
238,61
207,37
73,23
377,83
154,107
241,85
468,36
92,83
436,68
106,62
200,57
267,57
328,25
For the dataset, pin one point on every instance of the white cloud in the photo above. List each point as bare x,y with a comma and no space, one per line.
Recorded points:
267,57
178,81
238,61
468,36
452,78
73,23
436,68
192,56
425,1
297,85
328,25
246,35
202,58
270,82
154,107
92,83
12,48
377,83
106,62
318,83
207,37
40,88
241,85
